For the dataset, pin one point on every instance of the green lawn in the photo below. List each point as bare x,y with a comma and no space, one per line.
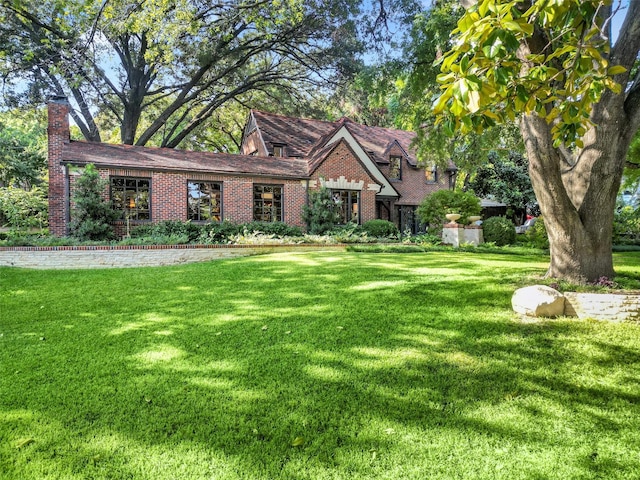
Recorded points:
311,366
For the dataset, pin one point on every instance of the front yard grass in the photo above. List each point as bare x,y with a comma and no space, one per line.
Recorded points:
311,366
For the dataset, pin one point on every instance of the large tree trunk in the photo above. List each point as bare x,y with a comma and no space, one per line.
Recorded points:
577,195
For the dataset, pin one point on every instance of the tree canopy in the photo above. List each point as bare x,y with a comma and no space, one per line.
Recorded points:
22,149
179,61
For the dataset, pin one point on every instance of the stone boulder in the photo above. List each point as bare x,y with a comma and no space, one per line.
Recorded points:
538,301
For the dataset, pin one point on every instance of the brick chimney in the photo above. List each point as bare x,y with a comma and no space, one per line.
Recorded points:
58,133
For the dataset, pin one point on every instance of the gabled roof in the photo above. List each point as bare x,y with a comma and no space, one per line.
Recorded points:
301,135
169,159
343,133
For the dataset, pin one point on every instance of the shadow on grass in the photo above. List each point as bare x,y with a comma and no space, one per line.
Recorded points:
387,366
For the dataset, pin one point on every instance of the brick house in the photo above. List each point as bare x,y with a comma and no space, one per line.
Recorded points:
372,173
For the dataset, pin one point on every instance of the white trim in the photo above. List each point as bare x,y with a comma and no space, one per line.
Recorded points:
387,189
342,184
253,123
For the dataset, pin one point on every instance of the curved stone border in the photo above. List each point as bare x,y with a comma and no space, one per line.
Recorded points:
138,255
602,306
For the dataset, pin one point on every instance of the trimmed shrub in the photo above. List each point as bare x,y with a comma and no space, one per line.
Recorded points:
499,230
381,229
537,234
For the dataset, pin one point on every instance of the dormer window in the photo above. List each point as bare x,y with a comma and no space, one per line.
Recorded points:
431,174
278,150
395,168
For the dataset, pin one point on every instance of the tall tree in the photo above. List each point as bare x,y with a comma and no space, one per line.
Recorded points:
185,59
22,149
552,65
505,178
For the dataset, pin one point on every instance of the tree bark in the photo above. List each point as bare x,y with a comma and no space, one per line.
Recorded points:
577,198
577,190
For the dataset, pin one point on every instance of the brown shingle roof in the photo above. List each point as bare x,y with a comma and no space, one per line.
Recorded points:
301,135
127,156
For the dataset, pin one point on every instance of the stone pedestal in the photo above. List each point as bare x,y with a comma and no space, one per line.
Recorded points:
452,234
473,234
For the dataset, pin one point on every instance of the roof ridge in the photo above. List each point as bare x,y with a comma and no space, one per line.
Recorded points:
291,117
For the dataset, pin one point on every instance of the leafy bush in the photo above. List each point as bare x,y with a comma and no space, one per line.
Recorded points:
21,209
626,225
279,229
499,230
218,232
424,239
537,234
168,228
434,207
350,233
92,215
381,229
321,214
173,239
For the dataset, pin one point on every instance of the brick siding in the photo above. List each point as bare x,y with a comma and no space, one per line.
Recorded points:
58,135
342,162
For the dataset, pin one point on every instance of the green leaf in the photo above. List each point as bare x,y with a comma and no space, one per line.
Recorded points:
494,46
473,105
616,70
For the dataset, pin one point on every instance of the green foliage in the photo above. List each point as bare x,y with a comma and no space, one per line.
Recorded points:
23,209
381,229
222,232
537,234
218,232
626,225
320,214
22,150
168,228
279,229
505,179
91,215
182,60
434,207
499,230
484,81
156,239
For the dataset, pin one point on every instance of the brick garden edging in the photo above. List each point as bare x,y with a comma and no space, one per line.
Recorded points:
138,255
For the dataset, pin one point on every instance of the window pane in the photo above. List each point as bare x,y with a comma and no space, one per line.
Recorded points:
203,201
130,196
394,167
347,204
267,203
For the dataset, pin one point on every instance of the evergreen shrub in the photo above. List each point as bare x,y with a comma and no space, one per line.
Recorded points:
380,229
92,215
499,230
537,234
